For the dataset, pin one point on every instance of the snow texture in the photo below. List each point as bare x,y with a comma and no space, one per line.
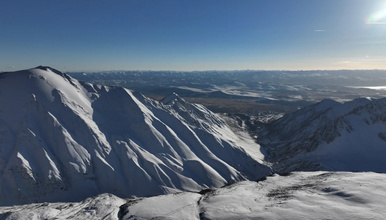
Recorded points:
302,195
65,140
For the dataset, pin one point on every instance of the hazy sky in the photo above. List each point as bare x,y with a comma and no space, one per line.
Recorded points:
87,35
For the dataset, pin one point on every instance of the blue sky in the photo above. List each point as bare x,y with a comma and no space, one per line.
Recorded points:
90,35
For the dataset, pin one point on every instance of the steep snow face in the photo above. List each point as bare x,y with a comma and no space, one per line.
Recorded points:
329,136
65,140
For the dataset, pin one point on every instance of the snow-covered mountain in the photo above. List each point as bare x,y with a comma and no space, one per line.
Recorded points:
329,135
65,140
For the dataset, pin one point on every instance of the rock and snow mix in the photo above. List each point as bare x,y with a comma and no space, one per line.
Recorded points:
329,135
104,206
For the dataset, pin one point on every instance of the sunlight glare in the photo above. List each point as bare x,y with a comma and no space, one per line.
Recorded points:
377,17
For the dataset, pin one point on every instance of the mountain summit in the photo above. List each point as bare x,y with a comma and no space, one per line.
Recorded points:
66,140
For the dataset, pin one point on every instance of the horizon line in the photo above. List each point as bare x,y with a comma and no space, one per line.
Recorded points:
208,70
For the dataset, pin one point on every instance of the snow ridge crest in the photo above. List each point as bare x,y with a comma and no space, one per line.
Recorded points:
321,138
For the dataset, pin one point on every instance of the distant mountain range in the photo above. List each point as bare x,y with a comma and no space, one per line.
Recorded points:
66,140
254,90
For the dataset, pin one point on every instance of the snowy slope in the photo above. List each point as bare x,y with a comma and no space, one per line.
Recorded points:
317,195
329,136
65,140
301,195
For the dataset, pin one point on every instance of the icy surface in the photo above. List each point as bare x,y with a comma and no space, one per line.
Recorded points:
65,140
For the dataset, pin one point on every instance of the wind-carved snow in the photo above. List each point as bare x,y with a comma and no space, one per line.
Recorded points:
65,140
329,136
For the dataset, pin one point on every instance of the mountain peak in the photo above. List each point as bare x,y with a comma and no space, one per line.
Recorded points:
171,98
323,105
43,68
50,69
37,71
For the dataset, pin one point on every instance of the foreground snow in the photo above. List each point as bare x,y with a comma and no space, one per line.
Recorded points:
299,195
105,206
312,195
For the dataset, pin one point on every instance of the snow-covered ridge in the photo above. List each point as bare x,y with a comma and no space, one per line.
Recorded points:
330,136
65,140
300,195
